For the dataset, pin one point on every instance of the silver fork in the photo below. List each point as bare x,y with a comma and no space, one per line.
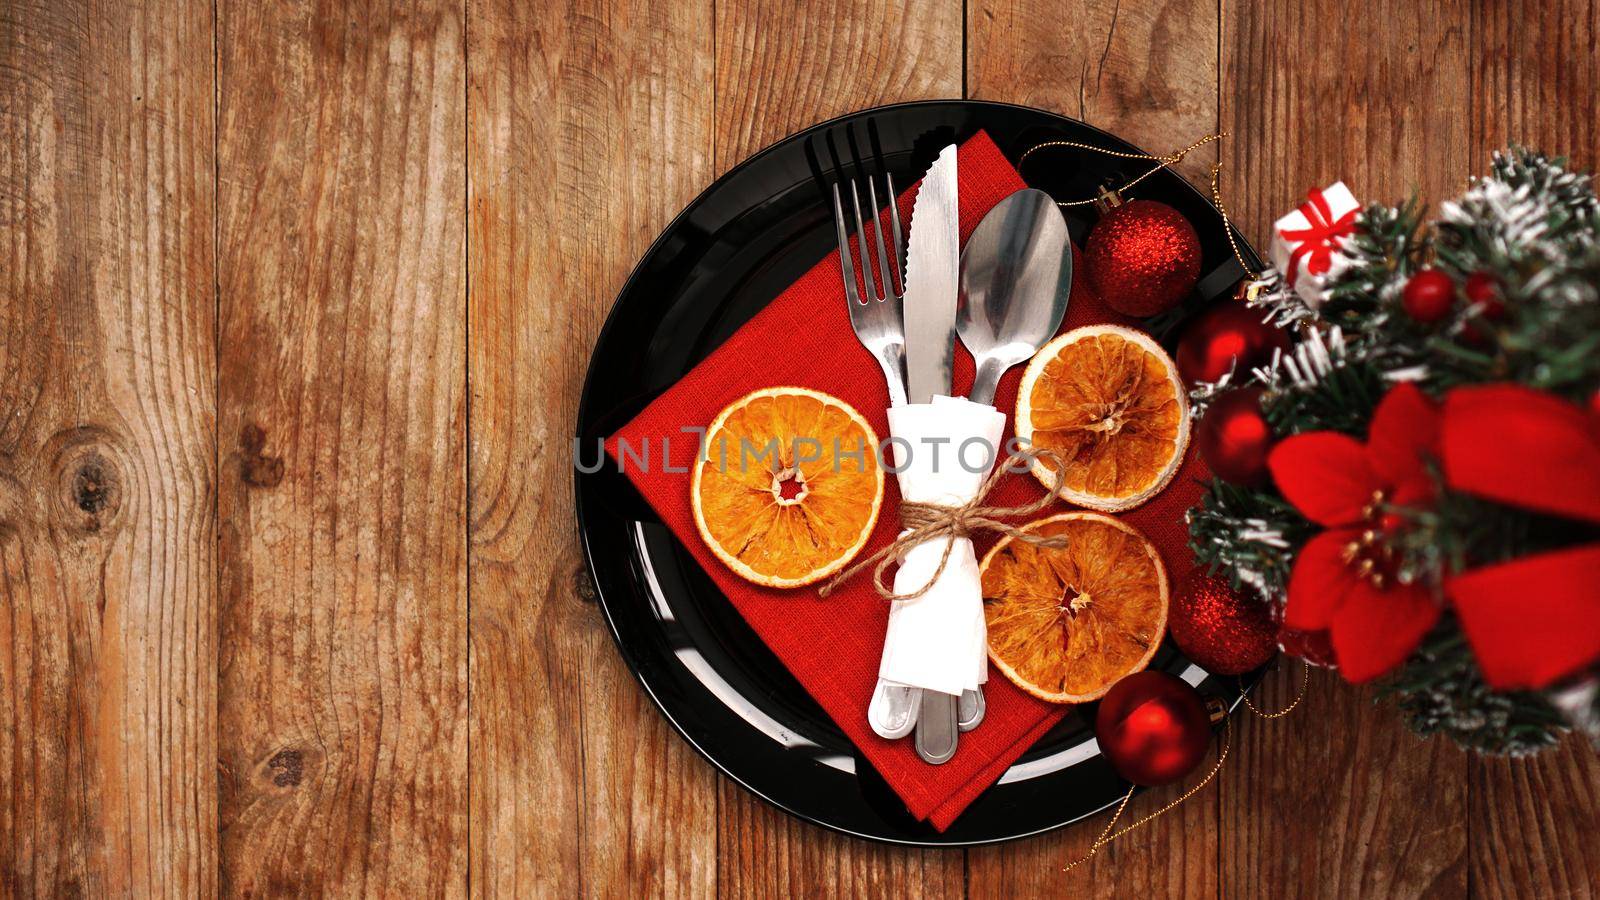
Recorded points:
876,318
875,311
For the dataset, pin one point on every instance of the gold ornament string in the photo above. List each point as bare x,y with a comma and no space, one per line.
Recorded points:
1107,835
1161,162
1305,680
1227,225
925,522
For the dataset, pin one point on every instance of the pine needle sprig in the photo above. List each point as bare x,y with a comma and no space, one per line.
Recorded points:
1440,691
1249,536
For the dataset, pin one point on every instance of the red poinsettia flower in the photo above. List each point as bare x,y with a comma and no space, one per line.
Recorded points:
1535,620
1343,578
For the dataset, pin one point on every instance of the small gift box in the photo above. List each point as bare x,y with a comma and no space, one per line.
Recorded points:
1304,241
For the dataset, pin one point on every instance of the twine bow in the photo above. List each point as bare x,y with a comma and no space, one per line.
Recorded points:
924,522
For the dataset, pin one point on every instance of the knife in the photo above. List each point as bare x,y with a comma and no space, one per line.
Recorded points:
933,272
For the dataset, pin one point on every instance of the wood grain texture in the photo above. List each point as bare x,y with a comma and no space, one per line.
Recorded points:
1536,78
343,676
1532,824
1174,855
1388,118
824,59
1146,71
1339,799
107,398
782,66
765,852
589,127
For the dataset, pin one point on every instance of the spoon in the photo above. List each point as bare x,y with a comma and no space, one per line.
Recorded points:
1016,274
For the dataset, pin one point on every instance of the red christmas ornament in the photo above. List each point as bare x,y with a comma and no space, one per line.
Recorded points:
1226,631
1228,336
1143,257
1153,728
1483,290
1428,296
1234,438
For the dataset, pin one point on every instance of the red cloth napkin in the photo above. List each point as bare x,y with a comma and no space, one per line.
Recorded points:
832,646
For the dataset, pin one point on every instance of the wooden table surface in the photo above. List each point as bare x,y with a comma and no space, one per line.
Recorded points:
297,300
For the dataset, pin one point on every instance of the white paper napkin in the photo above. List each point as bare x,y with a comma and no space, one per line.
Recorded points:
945,449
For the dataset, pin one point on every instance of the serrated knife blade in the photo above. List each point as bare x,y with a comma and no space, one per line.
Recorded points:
933,272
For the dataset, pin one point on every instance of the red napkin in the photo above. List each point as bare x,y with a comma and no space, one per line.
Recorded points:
832,646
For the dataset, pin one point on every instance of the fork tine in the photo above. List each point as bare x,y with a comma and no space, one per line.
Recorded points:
869,289
847,266
877,232
894,228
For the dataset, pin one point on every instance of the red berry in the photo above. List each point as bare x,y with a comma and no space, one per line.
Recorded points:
1428,296
1483,290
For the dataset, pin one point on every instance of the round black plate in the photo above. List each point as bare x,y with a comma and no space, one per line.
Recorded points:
734,249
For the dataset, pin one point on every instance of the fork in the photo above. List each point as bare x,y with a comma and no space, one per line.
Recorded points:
875,315
875,307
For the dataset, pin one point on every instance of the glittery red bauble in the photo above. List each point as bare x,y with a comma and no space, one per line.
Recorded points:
1428,296
1228,336
1153,728
1227,632
1234,438
1143,258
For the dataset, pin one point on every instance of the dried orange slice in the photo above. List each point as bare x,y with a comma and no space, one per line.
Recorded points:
1066,623
1109,402
788,486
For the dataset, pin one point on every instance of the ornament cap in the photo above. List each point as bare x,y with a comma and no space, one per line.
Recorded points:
1216,709
1108,199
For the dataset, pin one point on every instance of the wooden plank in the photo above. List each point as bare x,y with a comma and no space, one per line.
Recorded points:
1532,820
1174,855
1339,799
1147,72
1532,824
342,413
589,127
779,70
107,444
1144,71
766,852
1381,104
1533,66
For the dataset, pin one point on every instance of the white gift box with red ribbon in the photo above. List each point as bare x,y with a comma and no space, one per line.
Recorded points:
1304,242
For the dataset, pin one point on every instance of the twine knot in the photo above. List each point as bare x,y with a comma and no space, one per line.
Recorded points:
924,522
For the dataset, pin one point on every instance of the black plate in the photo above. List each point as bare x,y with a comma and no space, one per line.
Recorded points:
734,249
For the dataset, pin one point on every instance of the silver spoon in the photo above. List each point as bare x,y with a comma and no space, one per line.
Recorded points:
1016,276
